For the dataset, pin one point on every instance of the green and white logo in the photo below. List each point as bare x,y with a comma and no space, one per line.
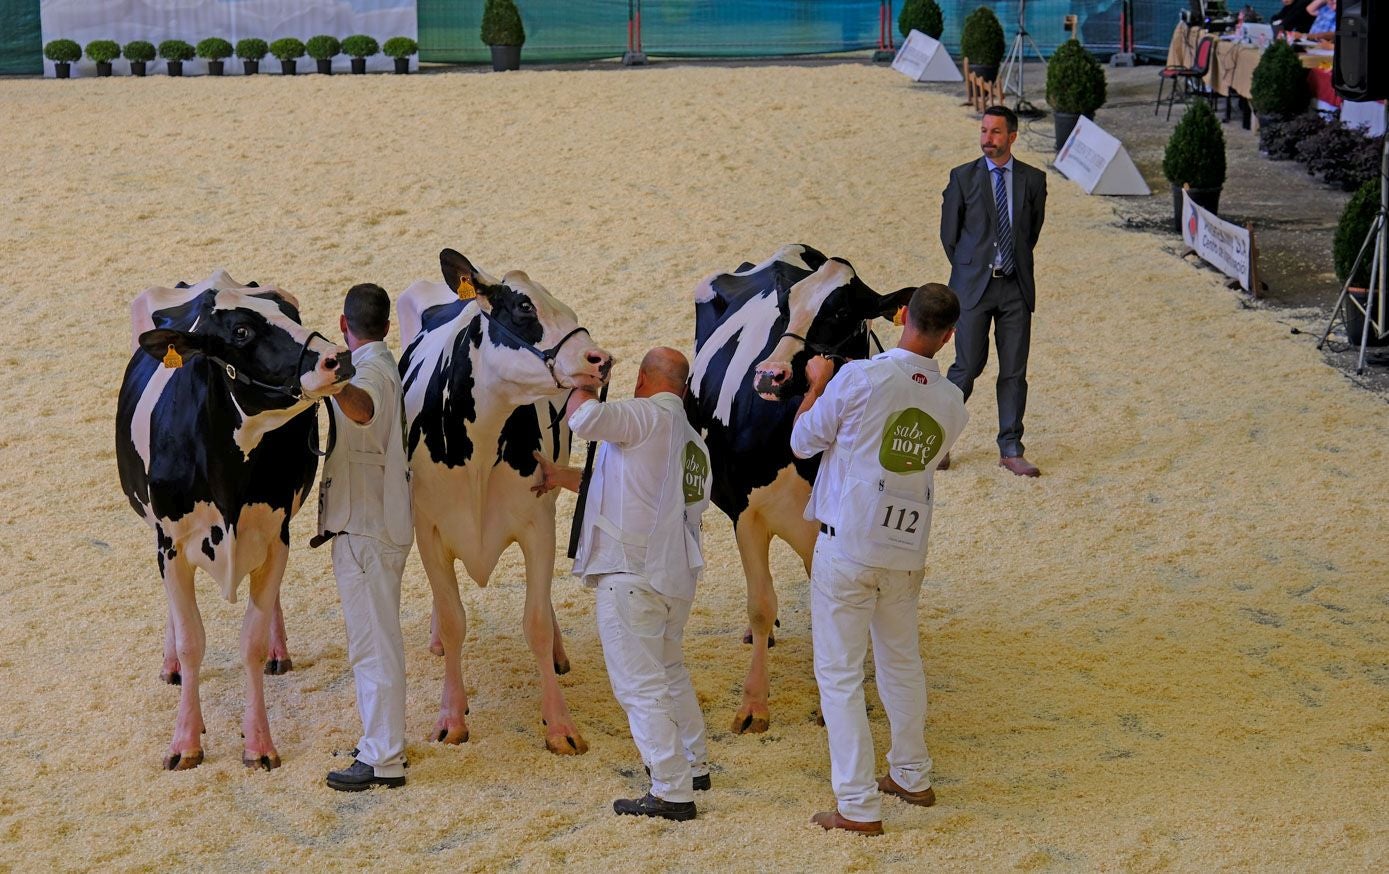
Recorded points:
694,466
910,440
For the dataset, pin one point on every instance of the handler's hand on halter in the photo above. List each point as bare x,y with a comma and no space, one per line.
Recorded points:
818,372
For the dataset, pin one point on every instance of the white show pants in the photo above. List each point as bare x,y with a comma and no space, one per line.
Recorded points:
849,604
641,631
368,573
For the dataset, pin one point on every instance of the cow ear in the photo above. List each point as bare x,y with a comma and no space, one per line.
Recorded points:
888,305
171,347
458,271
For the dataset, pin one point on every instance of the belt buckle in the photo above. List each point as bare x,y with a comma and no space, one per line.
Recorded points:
999,274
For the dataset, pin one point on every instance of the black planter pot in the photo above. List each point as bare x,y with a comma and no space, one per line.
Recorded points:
103,68
325,66
359,65
505,58
216,68
402,65
1355,321
250,68
1064,122
62,70
1208,198
287,68
987,72
137,68
175,68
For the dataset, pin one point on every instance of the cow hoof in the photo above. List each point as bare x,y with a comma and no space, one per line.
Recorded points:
751,723
562,668
566,744
173,678
451,736
185,761
268,761
276,667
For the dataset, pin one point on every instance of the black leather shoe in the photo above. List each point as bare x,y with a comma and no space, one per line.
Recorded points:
701,781
358,776
650,805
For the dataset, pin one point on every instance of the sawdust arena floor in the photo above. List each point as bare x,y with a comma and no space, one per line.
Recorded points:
1170,652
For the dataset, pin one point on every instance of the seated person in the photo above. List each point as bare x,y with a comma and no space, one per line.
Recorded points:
1293,17
1323,27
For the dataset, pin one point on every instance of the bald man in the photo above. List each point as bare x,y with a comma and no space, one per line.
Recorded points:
639,548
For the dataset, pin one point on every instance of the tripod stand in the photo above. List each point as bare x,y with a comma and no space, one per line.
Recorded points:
1013,66
1374,308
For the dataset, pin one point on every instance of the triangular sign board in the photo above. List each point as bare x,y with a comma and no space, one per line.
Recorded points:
1098,162
925,60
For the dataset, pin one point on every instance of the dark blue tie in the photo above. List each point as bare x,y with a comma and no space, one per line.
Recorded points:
1004,261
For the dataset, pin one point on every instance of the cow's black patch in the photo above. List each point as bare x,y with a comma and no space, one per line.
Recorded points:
447,408
208,550
516,311
520,438
181,284
215,534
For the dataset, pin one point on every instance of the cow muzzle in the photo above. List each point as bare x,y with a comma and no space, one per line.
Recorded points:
770,380
595,367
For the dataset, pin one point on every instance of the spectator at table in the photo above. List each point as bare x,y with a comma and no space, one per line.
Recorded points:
1293,16
1323,27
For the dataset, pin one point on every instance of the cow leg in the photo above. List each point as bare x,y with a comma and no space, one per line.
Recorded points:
168,672
190,642
560,656
451,622
436,646
277,659
542,633
754,541
262,609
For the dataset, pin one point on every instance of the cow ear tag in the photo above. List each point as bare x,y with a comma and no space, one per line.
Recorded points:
466,290
899,318
172,359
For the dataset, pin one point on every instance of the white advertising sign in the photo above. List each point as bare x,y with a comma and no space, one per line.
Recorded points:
925,60
1098,162
1368,114
1223,245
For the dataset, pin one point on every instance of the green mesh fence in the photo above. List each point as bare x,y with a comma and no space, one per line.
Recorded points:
21,41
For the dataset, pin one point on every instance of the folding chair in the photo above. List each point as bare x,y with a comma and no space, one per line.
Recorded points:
1187,78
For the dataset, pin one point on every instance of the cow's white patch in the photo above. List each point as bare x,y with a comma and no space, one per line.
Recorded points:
254,428
750,326
141,421
804,301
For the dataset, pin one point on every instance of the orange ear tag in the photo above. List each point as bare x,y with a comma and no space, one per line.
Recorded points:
466,290
899,318
172,359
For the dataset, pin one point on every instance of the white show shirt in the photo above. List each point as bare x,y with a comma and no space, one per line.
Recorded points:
650,487
366,481
883,425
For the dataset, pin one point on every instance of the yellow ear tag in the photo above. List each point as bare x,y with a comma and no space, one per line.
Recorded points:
900,317
172,359
466,290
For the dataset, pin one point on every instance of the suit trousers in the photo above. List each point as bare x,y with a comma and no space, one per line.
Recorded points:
1001,305
851,604
368,573
642,633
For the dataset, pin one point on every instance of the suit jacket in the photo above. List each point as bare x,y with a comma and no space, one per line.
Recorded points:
969,223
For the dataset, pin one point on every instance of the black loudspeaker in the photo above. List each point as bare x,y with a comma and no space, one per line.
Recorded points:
1360,35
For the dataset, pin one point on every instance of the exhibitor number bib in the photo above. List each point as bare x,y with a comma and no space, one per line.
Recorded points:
900,522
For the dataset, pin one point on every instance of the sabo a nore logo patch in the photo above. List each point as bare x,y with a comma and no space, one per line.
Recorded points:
694,465
911,439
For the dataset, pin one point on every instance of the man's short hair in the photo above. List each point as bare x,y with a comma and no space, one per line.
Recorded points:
1006,114
933,309
368,311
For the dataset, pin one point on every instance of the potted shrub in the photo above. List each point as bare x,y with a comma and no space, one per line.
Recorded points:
103,51
62,52
138,53
981,41
1195,157
215,51
250,51
1279,88
175,52
1075,87
289,50
922,15
503,32
1356,221
359,47
323,49
400,48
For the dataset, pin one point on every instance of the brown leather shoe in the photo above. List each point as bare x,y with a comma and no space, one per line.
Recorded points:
830,820
925,798
1019,465
944,462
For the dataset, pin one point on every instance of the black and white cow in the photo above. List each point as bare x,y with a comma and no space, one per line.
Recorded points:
487,367
755,329
214,437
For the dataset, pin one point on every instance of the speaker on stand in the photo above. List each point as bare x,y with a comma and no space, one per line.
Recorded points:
1361,34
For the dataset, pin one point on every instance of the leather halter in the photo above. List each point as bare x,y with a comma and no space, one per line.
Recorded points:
292,389
548,356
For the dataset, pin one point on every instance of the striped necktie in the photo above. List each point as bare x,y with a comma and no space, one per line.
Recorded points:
1004,261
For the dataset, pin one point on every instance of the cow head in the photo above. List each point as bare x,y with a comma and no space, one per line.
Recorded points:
554,351
828,314
255,341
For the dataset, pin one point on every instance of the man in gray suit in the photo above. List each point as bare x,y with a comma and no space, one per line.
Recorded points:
990,219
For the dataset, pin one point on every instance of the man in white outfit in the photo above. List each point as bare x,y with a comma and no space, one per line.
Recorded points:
883,426
639,548
364,506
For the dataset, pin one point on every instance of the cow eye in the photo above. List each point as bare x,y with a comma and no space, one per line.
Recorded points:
241,334
526,307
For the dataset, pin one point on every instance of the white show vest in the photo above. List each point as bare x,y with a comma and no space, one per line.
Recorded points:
649,490
884,426
366,477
